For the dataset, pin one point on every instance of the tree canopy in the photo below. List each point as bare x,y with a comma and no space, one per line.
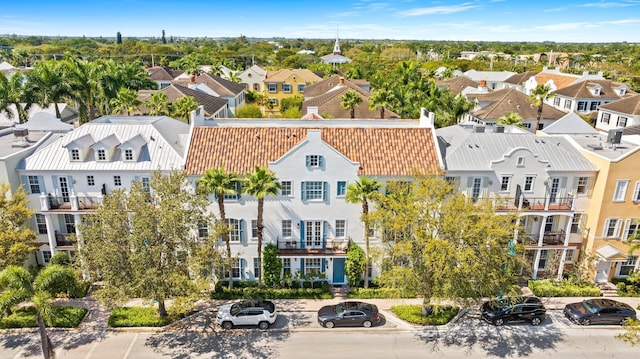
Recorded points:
16,239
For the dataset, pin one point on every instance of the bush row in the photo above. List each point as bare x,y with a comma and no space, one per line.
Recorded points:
291,284
412,313
271,293
65,317
374,293
563,288
137,317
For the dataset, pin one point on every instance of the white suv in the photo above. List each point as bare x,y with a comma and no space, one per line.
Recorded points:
247,312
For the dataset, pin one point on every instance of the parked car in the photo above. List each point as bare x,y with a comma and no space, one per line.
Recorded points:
350,313
599,311
247,312
513,309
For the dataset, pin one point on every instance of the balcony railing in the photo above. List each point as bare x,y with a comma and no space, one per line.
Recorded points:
70,203
557,203
552,238
301,248
63,240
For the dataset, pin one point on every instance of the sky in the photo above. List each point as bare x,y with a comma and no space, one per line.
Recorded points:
489,20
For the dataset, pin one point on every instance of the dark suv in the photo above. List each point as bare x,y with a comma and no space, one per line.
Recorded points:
518,309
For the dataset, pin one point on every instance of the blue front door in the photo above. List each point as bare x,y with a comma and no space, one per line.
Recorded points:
338,270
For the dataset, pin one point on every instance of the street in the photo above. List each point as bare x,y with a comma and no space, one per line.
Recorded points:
296,334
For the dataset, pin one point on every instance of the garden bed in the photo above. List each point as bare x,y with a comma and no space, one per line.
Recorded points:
65,317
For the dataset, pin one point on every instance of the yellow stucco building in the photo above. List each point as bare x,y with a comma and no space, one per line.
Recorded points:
285,83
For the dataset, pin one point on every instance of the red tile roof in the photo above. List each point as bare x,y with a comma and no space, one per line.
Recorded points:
379,151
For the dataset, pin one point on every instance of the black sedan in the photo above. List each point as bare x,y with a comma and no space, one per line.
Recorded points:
521,309
599,311
347,314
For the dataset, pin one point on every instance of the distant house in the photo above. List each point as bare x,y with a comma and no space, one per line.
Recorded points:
491,106
253,78
495,79
163,75
584,97
463,85
217,86
214,107
67,114
518,81
286,83
324,98
556,79
619,114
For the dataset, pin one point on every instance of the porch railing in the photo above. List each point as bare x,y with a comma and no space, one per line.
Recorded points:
63,240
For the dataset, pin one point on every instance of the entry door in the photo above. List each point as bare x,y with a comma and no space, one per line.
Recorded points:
64,189
602,272
338,270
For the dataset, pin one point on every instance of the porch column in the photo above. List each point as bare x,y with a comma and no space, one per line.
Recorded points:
51,233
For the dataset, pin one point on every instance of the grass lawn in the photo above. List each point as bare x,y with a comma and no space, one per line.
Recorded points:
66,317
412,313
138,317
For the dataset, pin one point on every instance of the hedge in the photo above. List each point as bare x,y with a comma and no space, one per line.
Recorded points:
549,288
271,293
137,317
412,313
65,317
375,293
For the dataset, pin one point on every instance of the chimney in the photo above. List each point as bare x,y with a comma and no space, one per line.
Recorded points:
312,110
341,80
427,118
197,116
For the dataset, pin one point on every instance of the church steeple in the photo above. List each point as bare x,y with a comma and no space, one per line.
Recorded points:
336,46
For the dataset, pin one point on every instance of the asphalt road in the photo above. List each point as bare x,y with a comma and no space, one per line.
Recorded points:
297,335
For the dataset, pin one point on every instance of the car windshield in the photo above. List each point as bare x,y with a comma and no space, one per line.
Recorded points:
236,308
590,306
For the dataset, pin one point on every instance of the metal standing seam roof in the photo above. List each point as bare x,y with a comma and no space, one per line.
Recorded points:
476,151
163,136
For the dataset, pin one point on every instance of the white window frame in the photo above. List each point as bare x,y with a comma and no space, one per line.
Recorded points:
531,185
41,223
286,188
34,184
544,258
313,266
254,228
341,228
582,106
568,104
575,223
146,184
593,106
101,154
556,102
117,180
301,88
621,190
341,188
287,231
286,87
505,187
636,192
91,180
234,230
520,162
314,191
314,161
606,117
203,230
570,255
632,261
272,87
75,154
611,228
583,185
286,267
128,154
46,256
622,121
256,267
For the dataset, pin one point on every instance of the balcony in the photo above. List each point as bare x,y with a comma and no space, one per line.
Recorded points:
508,204
333,247
63,240
551,238
69,203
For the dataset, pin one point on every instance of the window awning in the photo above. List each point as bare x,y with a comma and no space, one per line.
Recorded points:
611,254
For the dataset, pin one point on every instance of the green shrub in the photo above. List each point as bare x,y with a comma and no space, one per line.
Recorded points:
628,287
272,293
65,317
563,288
371,293
137,317
412,313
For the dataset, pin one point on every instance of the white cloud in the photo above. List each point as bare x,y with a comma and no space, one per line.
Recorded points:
606,5
443,10
555,9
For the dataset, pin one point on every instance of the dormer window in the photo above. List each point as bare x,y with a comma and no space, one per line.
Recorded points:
75,154
102,155
520,162
622,91
128,154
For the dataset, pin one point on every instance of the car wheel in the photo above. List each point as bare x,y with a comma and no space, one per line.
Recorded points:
366,324
623,321
536,321
329,325
263,325
227,325
585,321
498,322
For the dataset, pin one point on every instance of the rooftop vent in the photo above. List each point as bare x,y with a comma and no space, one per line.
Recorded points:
614,136
498,129
478,129
20,132
594,147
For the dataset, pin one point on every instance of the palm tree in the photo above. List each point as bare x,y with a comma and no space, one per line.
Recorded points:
85,79
538,96
349,101
219,182
381,98
126,101
511,119
364,191
12,92
259,184
48,85
158,105
18,286
183,106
